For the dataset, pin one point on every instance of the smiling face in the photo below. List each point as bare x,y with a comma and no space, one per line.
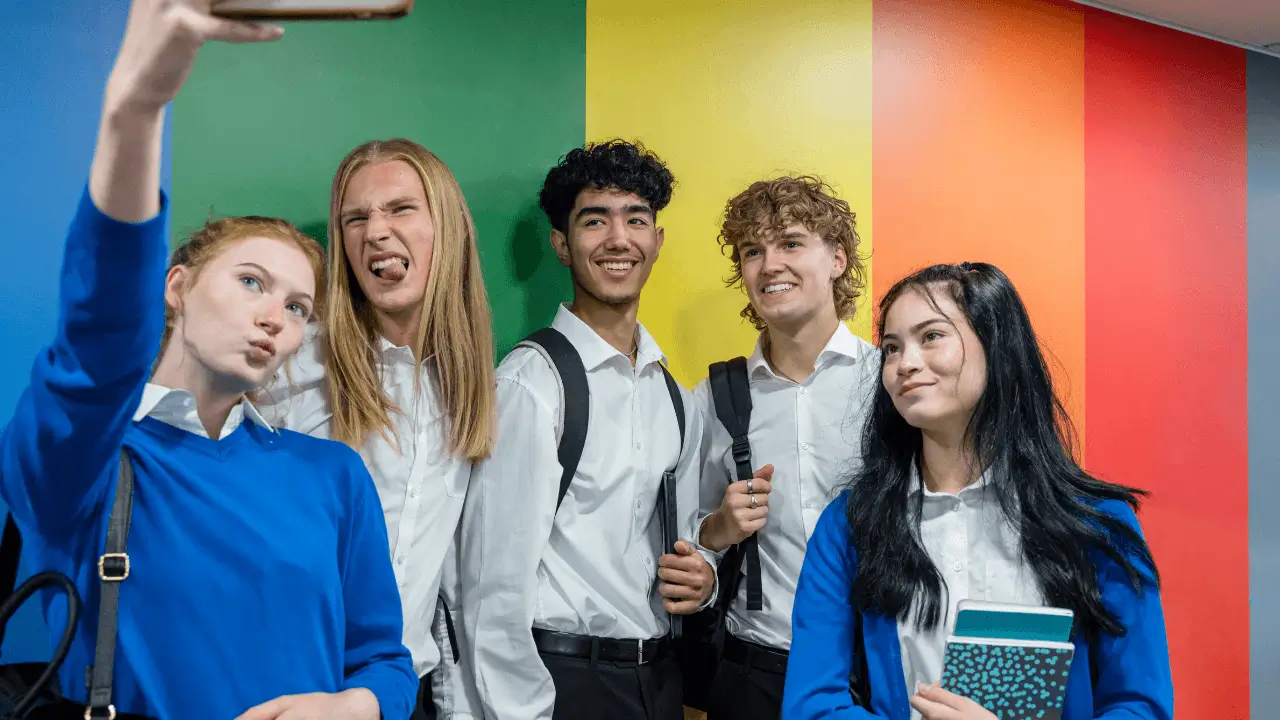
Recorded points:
788,276
242,312
935,368
611,245
388,237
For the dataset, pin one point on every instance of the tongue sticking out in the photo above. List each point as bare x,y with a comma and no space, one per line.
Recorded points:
394,272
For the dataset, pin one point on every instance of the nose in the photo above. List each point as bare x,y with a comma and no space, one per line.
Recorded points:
772,261
616,239
378,228
271,317
909,361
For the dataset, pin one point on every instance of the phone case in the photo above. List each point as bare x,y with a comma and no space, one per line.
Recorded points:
283,10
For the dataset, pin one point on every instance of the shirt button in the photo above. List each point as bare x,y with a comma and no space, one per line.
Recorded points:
804,391
804,446
957,566
400,560
637,446
413,493
809,504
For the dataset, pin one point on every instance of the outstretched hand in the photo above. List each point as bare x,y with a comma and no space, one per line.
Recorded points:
160,45
155,58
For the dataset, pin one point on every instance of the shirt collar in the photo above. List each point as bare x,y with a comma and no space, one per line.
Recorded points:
917,486
170,404
842,344
594,350
395,353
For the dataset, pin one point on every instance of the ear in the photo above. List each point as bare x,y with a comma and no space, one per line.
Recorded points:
560,244
662,235
175,283
840,261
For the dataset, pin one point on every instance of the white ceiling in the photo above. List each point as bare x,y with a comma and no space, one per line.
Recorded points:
1251,23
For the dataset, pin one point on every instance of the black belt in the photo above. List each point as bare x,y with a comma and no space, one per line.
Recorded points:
640,652
754,655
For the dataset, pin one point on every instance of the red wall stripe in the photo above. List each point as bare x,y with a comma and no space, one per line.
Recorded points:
1166,332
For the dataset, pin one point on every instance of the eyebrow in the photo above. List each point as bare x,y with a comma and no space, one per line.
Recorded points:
635,209
792,235
364,210
272,278
916,328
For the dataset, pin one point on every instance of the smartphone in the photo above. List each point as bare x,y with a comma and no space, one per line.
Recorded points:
278,10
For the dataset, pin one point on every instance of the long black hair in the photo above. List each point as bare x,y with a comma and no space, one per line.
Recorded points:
1021,433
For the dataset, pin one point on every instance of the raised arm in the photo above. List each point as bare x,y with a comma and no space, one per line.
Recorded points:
70,421
822,623
506,522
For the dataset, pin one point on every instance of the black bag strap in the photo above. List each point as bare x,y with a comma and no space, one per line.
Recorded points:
10,556
113,568
575,399
670,516
575,404
731,394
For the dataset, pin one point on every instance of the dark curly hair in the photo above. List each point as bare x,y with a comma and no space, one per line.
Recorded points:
599,166
771,205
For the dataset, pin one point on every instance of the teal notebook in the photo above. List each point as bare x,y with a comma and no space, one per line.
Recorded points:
1010,659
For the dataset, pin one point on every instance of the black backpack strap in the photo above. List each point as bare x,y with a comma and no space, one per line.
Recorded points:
575,399
113,568
670,516
731,394
10,557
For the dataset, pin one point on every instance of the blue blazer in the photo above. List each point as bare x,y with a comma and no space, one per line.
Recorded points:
1133,678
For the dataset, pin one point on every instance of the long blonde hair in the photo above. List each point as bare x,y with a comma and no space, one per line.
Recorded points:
455,334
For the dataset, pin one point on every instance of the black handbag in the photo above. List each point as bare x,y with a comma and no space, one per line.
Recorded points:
30,691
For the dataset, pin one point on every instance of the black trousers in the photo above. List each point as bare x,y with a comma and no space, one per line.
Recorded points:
748,683
591,690
426,706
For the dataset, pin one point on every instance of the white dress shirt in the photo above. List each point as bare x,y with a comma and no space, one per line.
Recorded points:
591,568
978,554
453,685
178,408
810,432
420,483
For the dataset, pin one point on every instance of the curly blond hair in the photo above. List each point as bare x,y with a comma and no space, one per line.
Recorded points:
770,206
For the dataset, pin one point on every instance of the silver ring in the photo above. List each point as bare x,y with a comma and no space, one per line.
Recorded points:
749,490
754,504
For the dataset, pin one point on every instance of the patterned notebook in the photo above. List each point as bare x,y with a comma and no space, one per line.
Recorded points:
1016,680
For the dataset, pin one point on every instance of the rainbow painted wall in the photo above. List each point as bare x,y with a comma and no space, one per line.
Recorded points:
1126,176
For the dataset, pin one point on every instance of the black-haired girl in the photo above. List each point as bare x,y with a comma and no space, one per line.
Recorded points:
969,490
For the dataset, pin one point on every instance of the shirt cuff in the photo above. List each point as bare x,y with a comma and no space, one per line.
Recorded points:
712,556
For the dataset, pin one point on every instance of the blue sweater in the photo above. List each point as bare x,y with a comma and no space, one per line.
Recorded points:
1133,671
259,562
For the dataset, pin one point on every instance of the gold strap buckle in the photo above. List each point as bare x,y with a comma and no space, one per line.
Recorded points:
118,571
111,709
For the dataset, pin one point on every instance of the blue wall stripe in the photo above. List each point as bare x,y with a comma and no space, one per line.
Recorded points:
55,56
1264,382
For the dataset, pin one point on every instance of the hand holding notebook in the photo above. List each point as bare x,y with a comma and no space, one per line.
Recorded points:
1012,660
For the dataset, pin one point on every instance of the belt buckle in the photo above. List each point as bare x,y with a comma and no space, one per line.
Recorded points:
640,651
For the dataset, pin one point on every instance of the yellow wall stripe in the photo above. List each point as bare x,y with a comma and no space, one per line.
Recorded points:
728,92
